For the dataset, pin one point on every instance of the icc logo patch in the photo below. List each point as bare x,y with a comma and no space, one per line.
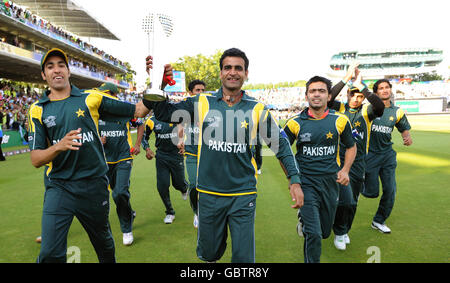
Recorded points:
50,121
306,137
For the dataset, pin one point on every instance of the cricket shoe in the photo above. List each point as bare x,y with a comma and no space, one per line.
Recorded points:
381,227
169,218
347,239
339,242
128,238
195,221
300,227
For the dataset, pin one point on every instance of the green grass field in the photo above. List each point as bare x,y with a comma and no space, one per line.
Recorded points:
419,222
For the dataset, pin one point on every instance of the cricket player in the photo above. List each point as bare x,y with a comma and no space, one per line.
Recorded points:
361,117
119,151
169,161
63,133
319,132
229,122
381,160
195,87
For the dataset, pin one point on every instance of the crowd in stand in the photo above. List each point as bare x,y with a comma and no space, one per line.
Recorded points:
13,10
284,102
14,104
422,90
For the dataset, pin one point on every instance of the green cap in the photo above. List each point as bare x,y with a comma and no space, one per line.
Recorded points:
112,88
54,52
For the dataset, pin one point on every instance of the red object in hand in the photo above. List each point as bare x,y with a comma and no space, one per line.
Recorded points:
132,150
169,80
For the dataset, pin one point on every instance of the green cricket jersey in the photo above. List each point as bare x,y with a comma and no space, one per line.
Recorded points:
166,136
225,164
191,136
382,127
318,141
51,120
118,139
361,120
191,141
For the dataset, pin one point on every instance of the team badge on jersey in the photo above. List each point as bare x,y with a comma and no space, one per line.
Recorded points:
80,112
329,135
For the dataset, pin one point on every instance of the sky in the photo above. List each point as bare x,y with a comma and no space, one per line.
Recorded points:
285,40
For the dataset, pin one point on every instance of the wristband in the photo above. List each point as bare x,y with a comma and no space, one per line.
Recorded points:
295,179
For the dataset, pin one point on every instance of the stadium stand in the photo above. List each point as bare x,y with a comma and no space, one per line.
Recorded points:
26,33
26,36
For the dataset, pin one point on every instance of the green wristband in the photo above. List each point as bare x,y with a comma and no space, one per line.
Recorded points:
295,179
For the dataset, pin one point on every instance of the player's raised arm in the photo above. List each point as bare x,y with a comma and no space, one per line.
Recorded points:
352,72
374,100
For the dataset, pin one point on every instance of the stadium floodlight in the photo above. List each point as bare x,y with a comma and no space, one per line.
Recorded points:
159,28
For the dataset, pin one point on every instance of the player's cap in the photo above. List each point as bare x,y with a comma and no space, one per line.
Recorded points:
352,90
112,88
54,52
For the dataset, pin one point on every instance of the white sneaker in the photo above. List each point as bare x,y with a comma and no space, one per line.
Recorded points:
184,195
169,218
259,172
195,221
381,227
300,228
339,242
346,239
128,238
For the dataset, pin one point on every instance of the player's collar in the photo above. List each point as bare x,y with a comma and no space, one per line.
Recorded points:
219,94
310,115
74,91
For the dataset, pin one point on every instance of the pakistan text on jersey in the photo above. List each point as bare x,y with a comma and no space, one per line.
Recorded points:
112,134
167,136
227,146
193,130
319,150
85,137
381,129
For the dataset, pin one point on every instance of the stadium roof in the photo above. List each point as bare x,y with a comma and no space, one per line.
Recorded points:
69,16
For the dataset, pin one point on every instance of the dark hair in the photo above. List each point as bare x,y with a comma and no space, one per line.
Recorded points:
193,83
316,79
234,52
375,86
